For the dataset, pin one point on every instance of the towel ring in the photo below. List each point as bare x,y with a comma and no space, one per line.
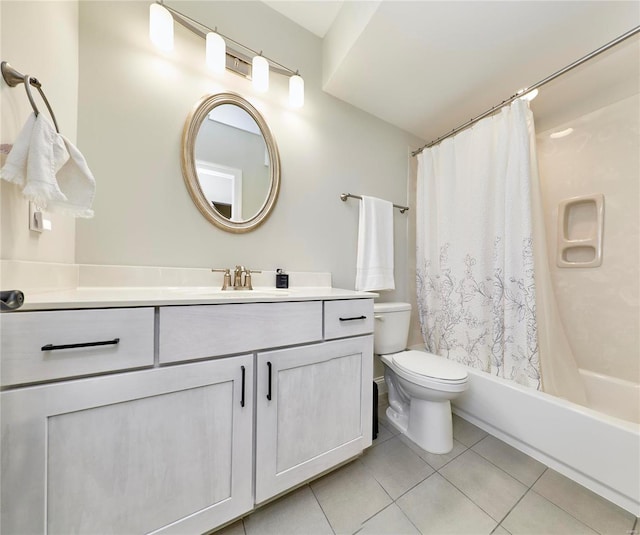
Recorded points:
13,78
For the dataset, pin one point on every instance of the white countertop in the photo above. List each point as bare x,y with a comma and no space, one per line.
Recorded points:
111,297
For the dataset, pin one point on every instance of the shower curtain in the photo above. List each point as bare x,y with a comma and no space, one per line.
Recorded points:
479,282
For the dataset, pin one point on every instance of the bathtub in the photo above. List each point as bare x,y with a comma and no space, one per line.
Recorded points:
594,449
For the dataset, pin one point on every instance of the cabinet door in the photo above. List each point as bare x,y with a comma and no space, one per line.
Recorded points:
164,451
313,411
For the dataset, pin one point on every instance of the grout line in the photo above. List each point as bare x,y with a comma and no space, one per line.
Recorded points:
405,514
471,499
507,473
466,448
565,511
419,483
538,478
321,508
514,506
374,514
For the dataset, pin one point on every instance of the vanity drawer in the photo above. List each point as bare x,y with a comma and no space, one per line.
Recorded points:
193,332
27,337
348,317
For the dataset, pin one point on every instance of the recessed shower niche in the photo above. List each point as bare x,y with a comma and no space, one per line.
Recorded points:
580,231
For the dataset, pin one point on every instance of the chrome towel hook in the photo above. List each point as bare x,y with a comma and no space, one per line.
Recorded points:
13,78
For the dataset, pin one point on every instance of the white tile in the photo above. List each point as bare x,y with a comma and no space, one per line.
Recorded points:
435,460
293,514
237,528
492,489
465,432
436,507
596,512
517,464
535,515
389,521
395,466
349,496
384,434
500,531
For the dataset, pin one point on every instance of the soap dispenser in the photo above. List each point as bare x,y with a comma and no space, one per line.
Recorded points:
282,279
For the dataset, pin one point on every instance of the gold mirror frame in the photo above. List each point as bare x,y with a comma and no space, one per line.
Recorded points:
190,175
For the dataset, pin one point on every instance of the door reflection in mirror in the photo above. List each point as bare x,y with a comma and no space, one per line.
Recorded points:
232,161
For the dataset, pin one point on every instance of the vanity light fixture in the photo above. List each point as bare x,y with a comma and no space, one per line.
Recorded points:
216,52
161,27
219,55
296,91
260,74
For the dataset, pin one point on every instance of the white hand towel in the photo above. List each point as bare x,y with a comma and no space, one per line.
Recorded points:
50,169
15,167
76,183
374,265
47,154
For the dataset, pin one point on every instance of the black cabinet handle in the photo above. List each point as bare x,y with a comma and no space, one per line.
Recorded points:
354,318
242,396
269,390
51,347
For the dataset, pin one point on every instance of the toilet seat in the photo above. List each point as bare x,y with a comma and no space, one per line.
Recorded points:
427,365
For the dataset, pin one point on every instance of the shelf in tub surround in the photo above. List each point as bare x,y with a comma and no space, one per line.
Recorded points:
60,286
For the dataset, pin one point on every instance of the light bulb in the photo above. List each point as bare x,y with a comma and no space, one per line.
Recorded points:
216,52
161,27
296,91
260,74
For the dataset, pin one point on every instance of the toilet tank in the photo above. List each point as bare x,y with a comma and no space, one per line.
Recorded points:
391,327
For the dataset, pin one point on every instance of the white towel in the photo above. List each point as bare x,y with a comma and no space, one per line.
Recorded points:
374,265
50,169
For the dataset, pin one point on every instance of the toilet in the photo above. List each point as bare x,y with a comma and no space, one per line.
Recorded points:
421,385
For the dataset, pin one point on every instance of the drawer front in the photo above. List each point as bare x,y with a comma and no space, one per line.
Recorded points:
25,334
348,317
193,332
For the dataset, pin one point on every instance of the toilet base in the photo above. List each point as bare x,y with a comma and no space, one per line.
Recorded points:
429,424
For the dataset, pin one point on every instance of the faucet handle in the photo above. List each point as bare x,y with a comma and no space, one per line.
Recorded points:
226,280
247,278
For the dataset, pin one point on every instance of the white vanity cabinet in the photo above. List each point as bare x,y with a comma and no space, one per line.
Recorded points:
314,411
195,415
166,450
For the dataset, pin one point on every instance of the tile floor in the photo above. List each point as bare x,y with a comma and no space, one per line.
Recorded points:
483,486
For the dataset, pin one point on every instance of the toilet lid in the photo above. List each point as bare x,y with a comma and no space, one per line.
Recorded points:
421,363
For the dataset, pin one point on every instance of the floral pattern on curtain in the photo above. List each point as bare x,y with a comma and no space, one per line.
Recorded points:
475,266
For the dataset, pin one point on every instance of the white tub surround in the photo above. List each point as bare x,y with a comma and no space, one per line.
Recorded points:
221,401
598,451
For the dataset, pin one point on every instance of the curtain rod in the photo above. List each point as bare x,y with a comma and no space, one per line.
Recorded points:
546,80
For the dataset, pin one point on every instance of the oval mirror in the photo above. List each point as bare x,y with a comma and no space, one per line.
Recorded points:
230,162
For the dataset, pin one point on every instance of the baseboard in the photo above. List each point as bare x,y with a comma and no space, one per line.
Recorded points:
382,385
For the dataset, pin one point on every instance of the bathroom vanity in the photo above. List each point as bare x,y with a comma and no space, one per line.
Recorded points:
177,414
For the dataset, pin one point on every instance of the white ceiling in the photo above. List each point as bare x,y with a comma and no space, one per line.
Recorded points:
317,16
428,66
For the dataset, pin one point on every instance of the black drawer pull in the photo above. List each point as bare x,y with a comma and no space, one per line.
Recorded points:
269,391
51,347
354,318
242,397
